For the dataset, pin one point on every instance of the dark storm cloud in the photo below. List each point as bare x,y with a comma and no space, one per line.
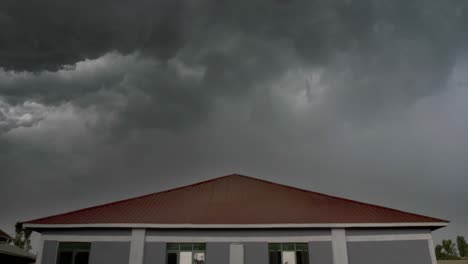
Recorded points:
101,100
48,34
376,54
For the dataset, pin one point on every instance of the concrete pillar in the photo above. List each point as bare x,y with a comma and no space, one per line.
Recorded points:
236,254
340,250
137,246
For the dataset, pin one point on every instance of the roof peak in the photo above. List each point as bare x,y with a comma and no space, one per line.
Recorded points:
233,190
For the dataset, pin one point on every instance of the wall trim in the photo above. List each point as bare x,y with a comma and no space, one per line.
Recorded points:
78,238
174,239
286,225
203,239
395,237
279,239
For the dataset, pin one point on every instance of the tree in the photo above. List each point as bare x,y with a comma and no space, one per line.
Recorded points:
22,237
462,246
438,252
447,250
449,247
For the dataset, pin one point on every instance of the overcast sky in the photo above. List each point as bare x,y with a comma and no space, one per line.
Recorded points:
104,100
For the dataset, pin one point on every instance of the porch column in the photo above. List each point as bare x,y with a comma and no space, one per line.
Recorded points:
236,254
137,246
340,250
430,243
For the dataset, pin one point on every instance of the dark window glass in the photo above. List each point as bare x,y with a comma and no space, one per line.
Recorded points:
192,253
288,246
275,257
302,257
274,246
73,253
172,246
72,246
302,247
301,252
199,246
171,258
186,247
65,257
81,257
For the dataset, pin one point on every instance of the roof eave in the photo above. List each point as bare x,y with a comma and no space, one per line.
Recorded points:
431,225
17,252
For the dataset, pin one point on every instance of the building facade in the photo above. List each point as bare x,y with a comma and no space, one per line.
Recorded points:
236,220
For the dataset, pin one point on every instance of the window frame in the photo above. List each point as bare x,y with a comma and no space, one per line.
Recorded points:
179,249
85,247
288,247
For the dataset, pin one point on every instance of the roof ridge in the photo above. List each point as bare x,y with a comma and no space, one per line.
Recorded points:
132,198
234,175
340,198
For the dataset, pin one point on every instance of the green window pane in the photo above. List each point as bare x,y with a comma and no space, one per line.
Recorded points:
274,247
172,246
288,246
71,246
199,246
186,247
82,257
65,258
302,247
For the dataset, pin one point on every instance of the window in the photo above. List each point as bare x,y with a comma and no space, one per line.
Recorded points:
73,253
288,253
185,253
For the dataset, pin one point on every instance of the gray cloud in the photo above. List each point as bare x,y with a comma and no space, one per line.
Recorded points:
101,100
25,115
412,46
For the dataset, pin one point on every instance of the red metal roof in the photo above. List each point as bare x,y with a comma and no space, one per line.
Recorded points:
5,235
237,200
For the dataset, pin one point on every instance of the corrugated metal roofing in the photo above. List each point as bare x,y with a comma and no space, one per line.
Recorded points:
236,199
5,235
